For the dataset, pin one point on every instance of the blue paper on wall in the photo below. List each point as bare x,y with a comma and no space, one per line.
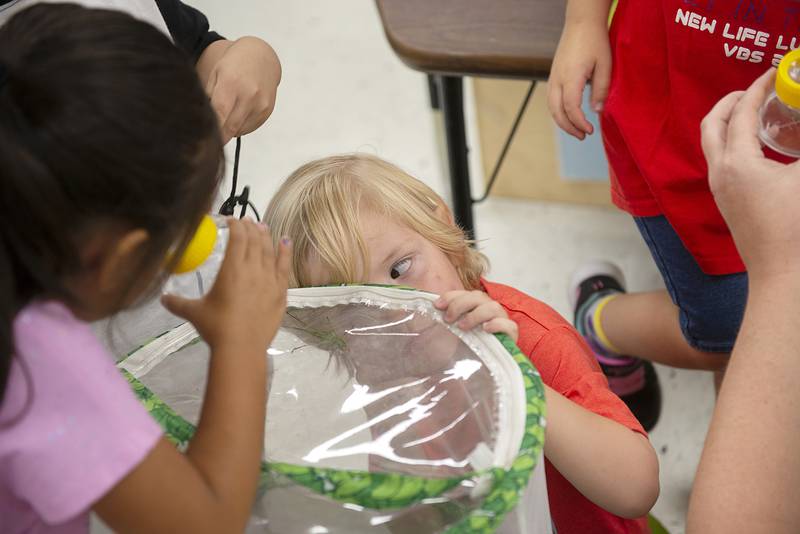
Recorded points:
583,160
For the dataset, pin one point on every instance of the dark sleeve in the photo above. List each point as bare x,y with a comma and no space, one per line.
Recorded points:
188,27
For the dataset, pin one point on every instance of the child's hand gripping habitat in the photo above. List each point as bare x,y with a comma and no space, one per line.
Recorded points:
469,309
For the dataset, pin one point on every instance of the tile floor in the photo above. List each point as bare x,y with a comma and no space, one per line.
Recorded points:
344,90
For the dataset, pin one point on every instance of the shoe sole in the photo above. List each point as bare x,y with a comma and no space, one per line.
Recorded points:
593,268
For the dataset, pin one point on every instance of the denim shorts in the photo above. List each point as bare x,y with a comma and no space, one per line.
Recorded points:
711,306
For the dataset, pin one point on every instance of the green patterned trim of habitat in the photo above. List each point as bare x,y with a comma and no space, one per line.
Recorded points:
509,484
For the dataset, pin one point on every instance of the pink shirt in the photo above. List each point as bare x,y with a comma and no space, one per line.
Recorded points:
79,428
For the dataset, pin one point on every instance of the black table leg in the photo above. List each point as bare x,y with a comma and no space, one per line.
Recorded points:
452,102
433,91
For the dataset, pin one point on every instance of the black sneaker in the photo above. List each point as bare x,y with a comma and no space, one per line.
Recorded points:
634,380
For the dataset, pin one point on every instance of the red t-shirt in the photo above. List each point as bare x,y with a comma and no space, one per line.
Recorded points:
672,61
568,366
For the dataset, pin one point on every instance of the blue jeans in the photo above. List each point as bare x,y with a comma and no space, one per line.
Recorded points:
711,306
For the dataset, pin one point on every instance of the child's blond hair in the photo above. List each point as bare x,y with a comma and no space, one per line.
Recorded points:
319,208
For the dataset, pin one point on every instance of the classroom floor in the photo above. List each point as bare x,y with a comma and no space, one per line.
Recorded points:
344,90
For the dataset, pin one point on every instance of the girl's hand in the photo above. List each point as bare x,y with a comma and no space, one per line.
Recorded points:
247,302
241,78
211,487
473,308
583,55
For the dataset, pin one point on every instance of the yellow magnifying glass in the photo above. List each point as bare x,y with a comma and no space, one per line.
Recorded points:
199,248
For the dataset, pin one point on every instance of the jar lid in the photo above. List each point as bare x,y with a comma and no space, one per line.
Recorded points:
786,86
199,248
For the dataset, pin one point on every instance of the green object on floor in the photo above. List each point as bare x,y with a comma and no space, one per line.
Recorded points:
655,526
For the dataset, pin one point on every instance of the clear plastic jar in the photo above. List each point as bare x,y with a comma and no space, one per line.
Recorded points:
779,116
201,261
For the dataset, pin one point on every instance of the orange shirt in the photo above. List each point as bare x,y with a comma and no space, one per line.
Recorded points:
568,366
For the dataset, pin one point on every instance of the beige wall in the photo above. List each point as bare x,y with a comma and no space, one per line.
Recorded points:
531,169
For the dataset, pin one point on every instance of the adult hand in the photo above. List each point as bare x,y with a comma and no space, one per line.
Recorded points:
745,478
756,195
241,79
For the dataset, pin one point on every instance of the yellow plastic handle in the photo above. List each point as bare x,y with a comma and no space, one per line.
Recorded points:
199,248
787,88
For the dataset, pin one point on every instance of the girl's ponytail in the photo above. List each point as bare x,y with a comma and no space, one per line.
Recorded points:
8,310
8,285
33,252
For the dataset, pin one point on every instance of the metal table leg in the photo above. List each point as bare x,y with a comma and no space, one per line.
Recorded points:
433,91
452,102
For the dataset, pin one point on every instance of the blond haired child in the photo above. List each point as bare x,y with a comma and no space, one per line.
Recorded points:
359,219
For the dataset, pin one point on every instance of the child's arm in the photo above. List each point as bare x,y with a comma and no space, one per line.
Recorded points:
583,55
211,488
612,466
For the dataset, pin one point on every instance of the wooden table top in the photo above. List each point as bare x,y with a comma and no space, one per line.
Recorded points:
506,38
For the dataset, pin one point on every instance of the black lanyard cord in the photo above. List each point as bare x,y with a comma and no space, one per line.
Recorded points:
243,199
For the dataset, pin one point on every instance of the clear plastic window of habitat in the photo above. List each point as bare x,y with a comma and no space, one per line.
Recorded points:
381,418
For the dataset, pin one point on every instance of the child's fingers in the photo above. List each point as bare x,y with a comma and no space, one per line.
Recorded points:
237,246
554,98
254,243
485,311
743,124
500,325
714,128
573,97
235,257
461,302
179,306
268,249
601,78
444,300
284,262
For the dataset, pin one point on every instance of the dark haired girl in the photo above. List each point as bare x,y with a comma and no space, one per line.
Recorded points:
110,153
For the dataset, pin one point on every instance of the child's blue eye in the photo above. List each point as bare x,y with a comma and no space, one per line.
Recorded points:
400,268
